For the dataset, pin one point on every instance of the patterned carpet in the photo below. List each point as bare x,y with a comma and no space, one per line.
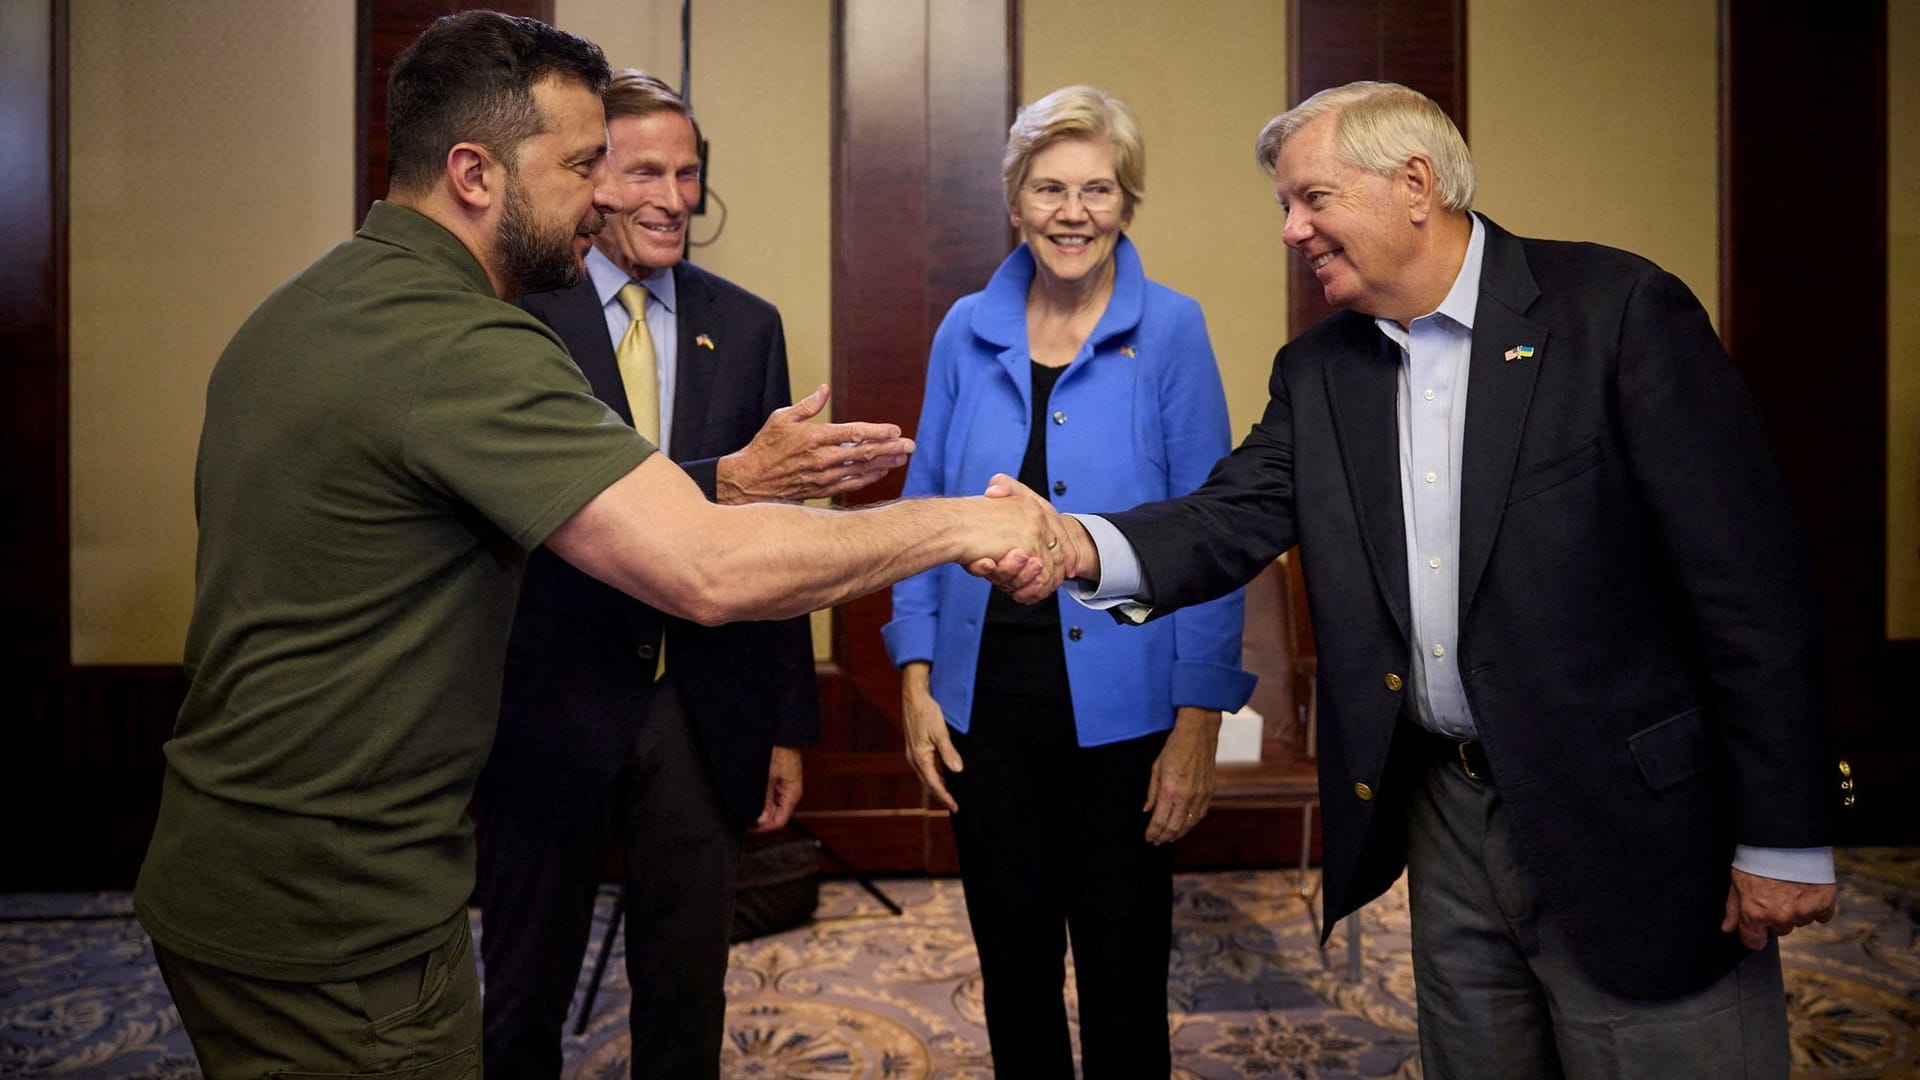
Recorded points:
864,994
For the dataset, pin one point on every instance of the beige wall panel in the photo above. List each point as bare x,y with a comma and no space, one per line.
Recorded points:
1202,77
212,157
1600,122
763,90
1903,319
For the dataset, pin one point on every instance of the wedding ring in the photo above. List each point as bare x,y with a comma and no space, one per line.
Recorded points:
1052,542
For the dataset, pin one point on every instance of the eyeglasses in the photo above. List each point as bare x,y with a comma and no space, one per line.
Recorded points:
1096,198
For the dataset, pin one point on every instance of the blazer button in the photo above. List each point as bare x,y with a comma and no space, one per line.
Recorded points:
1073,633
1059,417
645,651
1059,487
1393,681
1363,792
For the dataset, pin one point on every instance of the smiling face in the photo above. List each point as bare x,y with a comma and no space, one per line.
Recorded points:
655,159
557,195
1357,230
1071,245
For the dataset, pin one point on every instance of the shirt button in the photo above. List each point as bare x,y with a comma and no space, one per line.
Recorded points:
1363,792
1059,417
1439,650
1073,633
1429,395
1432,476
645,651
1393,681
1434,562
1059,487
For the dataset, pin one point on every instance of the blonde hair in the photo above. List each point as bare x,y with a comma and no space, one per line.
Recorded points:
1077,112
1379,126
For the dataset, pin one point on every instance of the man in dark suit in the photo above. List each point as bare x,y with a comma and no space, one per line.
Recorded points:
679,757
1564,613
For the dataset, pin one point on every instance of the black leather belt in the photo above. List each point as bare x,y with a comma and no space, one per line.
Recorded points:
1466,754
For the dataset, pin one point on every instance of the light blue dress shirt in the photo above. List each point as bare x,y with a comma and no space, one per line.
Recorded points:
662,323
1432,406
1435,353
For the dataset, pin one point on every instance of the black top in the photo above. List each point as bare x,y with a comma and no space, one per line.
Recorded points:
1020,650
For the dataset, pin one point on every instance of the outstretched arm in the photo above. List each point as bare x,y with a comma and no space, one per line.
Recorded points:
652,535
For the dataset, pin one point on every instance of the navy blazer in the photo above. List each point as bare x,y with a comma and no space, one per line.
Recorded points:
1638,630
580,661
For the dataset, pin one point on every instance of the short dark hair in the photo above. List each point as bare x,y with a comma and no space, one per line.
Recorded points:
470,78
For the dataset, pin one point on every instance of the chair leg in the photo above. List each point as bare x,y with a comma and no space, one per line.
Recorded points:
600,962
1353,947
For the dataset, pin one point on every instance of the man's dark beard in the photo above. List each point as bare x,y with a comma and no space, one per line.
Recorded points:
529,261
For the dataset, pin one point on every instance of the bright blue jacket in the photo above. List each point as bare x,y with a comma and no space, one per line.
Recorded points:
1139,415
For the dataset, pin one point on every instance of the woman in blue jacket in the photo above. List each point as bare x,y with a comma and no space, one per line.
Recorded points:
1071,751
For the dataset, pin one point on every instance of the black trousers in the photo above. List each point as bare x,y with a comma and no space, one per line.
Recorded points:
537,887
1051,843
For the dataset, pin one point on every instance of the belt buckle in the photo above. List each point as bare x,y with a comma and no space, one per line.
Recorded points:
1466,763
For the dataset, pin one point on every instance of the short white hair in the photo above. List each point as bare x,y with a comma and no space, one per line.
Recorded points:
1380,125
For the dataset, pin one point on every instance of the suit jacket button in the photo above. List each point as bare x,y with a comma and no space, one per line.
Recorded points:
646,652
1363,792
1393,681
1059,487
1073,633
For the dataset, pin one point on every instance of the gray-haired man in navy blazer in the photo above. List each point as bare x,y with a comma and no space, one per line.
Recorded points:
1565,615
677,767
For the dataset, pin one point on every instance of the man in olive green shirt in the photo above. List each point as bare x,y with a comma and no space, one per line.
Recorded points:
384,441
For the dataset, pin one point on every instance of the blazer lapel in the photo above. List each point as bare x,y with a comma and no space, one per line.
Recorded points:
1499,393
695,365
579,321
1361,384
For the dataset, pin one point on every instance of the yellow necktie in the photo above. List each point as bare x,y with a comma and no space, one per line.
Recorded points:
639,370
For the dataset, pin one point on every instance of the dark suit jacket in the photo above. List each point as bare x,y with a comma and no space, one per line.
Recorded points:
576,676
1637,606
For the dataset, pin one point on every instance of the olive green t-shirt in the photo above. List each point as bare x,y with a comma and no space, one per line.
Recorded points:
384,441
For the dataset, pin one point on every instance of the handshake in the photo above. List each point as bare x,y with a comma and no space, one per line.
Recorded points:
1024,546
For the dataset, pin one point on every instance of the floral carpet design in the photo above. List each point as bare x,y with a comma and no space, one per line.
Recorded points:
861,994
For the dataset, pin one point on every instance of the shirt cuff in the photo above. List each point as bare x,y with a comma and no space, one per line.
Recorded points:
1808,866
1119,583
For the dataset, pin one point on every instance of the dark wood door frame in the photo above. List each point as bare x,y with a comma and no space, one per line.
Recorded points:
923,91
1803,282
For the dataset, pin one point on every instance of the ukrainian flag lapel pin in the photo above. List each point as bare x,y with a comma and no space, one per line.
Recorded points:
1127,351
707,342
1519,352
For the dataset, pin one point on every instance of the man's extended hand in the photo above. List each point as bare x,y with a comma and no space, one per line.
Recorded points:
790,459
1758,906
783,790
1017,574
1031,561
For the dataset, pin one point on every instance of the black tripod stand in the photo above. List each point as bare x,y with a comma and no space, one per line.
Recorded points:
620,909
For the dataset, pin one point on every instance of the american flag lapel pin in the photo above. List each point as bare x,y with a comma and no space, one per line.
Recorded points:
1127,351
707,342
1519,352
